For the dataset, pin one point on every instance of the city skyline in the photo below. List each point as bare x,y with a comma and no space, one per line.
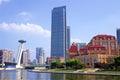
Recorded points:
33,23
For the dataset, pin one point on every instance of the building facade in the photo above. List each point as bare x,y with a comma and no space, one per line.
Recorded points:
108,41
68,38
80,45
6,56
59,41
40,55
101,49
118,35
53,59
118,38
25,57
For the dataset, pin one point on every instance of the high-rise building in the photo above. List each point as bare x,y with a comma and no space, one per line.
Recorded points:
59,42
118,36
6,56
25,57
80,45
40,55
68,38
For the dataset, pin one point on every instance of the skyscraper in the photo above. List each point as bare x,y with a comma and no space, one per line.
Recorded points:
59,32
118,36
80,45
40,55
68,38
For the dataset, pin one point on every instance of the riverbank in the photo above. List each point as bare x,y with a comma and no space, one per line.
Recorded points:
86,71
82,72
10,68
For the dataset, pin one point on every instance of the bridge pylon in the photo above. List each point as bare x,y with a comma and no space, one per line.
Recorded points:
20,53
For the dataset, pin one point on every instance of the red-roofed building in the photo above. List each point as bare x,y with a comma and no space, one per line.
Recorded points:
73,51
108,41
101,48
95,49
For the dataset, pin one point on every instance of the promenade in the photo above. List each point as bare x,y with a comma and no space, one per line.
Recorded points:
81,72
87,72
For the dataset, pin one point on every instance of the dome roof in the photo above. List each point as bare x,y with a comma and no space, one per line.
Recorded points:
97,47
102,36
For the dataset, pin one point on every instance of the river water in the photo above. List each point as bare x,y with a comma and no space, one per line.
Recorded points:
25,75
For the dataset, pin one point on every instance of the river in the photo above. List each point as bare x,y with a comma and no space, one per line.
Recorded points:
26,75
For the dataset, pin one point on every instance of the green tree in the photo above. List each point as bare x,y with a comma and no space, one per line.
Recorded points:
56,64
110,65
117,62
74,64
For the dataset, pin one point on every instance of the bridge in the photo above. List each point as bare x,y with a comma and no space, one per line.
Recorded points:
18,64
36,66
7,64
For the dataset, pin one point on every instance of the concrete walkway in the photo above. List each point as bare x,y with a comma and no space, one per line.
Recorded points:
77,72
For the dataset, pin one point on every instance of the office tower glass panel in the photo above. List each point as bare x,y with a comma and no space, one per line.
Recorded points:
58,34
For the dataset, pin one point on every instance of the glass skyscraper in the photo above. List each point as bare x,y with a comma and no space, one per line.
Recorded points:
68,37
59,40
118,35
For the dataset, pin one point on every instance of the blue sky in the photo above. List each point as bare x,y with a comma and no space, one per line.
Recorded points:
31,20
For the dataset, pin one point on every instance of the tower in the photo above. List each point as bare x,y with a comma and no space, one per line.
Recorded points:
118,35
68,37
59,32
20,53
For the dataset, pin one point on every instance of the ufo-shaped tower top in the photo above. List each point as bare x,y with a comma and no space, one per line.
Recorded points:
21,41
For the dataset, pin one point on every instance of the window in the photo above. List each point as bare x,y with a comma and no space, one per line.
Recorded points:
105,44
88,60
95,60
97,38
112,45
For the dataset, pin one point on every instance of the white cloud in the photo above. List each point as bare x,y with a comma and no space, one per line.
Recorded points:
76,40
1,1
23,16
23,13
25,28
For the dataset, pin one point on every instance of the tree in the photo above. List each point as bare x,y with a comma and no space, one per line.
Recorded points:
74,64
56,64
109,65
117,62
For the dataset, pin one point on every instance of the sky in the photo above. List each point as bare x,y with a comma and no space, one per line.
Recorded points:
31,20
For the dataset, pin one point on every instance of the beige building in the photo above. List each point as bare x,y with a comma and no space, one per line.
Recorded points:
54,58
101,49
25,57
6,56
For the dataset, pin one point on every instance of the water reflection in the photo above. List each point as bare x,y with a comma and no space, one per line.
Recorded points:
25,75
43,76
57,77
82,77
90,77
6,75
79,77
21,75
